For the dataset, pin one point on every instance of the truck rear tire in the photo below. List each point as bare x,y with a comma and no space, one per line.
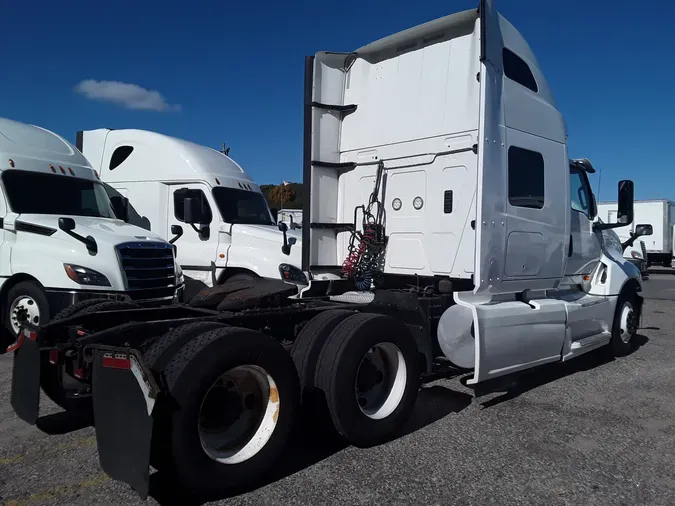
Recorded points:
77,307
308,345
52,375
377,355
233,397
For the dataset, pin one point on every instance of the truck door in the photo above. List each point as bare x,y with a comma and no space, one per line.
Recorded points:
522,225
585,244
195,252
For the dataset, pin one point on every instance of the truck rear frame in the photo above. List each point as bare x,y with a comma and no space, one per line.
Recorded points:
106,351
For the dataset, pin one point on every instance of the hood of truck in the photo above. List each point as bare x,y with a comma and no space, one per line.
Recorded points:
104,230
41,253
265,242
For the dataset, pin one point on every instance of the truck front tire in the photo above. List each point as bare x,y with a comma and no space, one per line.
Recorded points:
625,324
233,397
26,301
369,372
241,276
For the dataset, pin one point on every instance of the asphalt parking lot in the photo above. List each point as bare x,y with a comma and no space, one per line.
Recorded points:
588,432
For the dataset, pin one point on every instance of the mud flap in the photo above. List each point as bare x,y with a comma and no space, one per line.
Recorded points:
25,397
123,398
641,304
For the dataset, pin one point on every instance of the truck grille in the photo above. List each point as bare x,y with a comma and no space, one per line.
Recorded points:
149,269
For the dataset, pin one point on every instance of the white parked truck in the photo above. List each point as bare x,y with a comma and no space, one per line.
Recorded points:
445,227
229,233
60,242
660,214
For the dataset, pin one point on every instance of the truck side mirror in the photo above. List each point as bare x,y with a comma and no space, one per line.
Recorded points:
120,207
624,214
67,224
177,232
643,229
192,210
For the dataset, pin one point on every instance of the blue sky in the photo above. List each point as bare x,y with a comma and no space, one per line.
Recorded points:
236,71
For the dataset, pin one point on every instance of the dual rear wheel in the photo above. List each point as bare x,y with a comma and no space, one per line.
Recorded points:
361,370
234,393
233,396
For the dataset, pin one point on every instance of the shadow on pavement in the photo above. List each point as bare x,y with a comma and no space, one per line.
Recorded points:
661,270
64,422
534,378
310,445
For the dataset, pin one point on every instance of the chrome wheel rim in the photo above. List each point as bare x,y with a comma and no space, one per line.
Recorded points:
628,325
23,310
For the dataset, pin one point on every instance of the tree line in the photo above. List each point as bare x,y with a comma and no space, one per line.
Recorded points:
283,196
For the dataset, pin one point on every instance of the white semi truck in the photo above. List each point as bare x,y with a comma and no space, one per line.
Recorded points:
230,233
660,214
60,242
445,225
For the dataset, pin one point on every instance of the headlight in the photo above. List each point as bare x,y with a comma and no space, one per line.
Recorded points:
636,255
83,276
292,274
179,275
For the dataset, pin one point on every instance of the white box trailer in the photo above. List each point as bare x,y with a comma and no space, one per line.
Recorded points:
660,214
292,217
444,224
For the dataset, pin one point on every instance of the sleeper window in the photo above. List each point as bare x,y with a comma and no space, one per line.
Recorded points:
119,155
517,69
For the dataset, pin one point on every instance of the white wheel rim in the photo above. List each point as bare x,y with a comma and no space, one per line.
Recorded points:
381,380
238,414
23,309
628,323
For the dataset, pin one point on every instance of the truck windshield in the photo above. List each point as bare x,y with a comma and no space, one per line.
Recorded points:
241,206
38,193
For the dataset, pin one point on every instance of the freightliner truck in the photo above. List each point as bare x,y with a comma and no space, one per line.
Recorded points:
60,241
439,229
235,236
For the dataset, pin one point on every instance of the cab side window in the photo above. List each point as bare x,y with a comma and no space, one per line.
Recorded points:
179,197
526,178
580,193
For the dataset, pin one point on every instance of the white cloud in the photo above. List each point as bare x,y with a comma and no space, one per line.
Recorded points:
126,95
